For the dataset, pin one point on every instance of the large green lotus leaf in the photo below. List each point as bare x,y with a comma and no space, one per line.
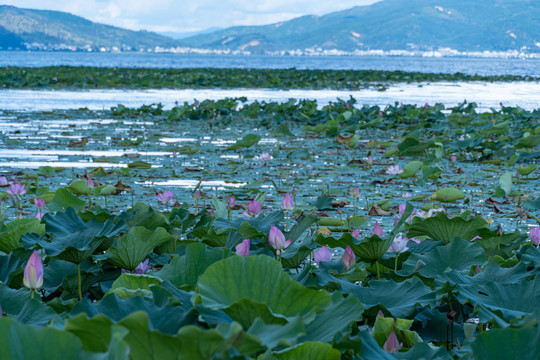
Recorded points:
80,187
94,333
369,348
309,350
12,232
8,265
505,182
191,342
29,342
277,335
389,295
11,300
492,273
368,249
63,199
503,302
35,312
334,319
247,311
508,343
411,169
74,240
261,279
424,351
164,317
459,255
261,223
130,250
185,270
144,215
448,195
301,225
295,254
128,285
440,227
247,141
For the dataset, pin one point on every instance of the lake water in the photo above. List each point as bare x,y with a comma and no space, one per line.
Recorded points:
525,95
481,66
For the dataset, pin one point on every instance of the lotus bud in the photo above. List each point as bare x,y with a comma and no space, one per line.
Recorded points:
39,203
348,259
254,208
242,249
377,230
356,192
453,158
33,272
143,267
534,233
90,182
231,201
356,234
323,254
277,239
288,203
392,345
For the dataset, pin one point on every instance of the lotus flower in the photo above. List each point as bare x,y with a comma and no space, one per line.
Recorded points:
33,272
16,189
348,259
277,239
453,158
370,160
392,345
399,245
231,201
197,195
143,267
242,249
253,209
90,182
356,234
356,192
323,254
3,181
393,170
165,197
288,203
264,157
406,194
39,203
534,233
377,230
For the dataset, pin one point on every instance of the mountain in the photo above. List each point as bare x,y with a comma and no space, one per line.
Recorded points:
55,30
463,25
183,35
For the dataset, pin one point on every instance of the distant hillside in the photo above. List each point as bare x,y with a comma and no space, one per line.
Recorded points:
464,25
43,29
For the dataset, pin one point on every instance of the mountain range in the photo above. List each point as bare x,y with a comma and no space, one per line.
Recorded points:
417,25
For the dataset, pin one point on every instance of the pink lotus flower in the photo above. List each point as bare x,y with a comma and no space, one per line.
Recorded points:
277,239
39,203
407,194
477,270
231,201
264,157
323,254
453,158
392,345
253,209
165,197
534,233
16,189
39,215
33,272
370,160
393,170
242,249
348,260
356,192
142,268
3,181
90,182
399,245
377,230
288,203
356,234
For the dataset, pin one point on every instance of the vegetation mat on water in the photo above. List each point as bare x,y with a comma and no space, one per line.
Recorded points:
72,77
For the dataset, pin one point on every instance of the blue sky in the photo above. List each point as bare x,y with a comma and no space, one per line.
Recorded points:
187,16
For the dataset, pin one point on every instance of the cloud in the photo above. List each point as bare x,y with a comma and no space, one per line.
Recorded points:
184,15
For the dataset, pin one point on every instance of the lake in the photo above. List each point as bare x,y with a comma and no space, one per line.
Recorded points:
480,66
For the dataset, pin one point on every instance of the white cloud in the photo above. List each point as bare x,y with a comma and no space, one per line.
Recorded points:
183,15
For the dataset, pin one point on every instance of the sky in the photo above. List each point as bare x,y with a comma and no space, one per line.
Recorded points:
188,15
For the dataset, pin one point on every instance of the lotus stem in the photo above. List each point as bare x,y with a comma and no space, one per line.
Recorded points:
395,265
79,280
378,272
